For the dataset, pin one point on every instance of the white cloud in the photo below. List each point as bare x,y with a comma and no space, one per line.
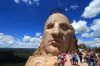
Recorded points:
93,43
36,2
80,26
97,40
6,39
86,35
80,41
27,38
93,34
17,1
28,2
66,9
95,27
92,10
38,34
94,30
30,42
9,41
74,6
31,39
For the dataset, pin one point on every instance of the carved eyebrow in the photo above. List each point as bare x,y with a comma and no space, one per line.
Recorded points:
64,26
50,25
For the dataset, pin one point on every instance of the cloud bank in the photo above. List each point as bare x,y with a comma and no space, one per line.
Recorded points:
8,41
87,32
28,2
92,10
80,26
74,6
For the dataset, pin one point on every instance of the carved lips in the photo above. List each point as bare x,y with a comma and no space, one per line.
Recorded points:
55,42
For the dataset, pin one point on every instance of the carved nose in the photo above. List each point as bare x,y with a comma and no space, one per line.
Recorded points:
56,32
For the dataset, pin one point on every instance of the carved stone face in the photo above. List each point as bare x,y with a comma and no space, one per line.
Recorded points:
57,34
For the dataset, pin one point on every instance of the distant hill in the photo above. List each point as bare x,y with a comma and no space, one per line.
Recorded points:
15,56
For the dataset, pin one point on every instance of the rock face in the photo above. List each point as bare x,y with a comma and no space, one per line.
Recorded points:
59,37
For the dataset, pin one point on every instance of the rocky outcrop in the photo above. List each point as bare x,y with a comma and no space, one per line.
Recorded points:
59,37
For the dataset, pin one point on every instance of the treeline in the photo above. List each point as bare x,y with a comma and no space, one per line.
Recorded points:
97,49
83,46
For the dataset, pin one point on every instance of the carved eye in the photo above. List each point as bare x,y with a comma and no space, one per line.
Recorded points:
49,26
64,27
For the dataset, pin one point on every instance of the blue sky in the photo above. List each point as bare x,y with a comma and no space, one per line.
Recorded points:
22,21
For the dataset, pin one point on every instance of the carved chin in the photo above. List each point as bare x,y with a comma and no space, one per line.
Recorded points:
52,49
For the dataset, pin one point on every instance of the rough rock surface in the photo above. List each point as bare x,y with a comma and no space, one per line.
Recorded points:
46,61
59,37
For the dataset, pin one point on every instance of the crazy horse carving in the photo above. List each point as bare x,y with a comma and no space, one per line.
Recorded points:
59,37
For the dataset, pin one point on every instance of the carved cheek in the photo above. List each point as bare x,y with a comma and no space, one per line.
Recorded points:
47,36
67,36
68,32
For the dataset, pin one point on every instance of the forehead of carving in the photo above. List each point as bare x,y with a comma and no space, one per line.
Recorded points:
57,17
